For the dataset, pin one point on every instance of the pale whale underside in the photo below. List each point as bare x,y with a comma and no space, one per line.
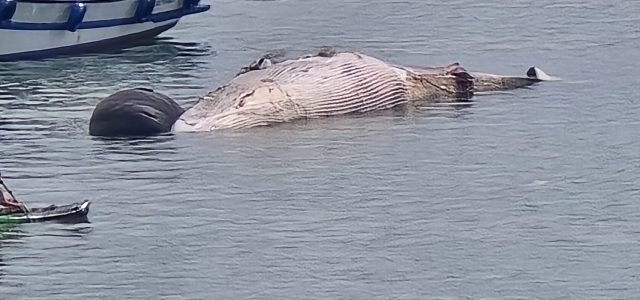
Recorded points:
310,87
323,86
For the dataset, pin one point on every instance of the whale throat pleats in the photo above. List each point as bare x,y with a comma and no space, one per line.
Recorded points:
311,87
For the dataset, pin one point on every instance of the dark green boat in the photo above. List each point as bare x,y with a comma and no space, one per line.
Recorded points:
75,212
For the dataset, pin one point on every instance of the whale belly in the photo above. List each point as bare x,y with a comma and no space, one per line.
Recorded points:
310,87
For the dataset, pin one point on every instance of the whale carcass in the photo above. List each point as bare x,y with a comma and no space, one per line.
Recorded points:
316,86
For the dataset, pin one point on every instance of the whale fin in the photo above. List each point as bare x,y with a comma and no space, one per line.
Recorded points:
484,82
536,73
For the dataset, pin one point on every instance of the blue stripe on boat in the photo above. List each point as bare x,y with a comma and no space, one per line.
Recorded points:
159,17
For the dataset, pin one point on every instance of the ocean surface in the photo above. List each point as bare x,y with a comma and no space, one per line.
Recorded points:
526,194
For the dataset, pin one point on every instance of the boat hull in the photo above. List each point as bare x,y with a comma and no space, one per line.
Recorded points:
38,30
74,213
100,39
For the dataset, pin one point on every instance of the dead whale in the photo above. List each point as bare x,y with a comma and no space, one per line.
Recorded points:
313,86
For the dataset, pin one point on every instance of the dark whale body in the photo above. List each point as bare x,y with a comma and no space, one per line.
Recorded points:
315,86
134,112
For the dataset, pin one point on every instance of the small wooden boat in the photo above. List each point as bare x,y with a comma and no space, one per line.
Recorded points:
75,212
31,29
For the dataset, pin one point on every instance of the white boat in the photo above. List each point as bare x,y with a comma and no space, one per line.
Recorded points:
31,29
